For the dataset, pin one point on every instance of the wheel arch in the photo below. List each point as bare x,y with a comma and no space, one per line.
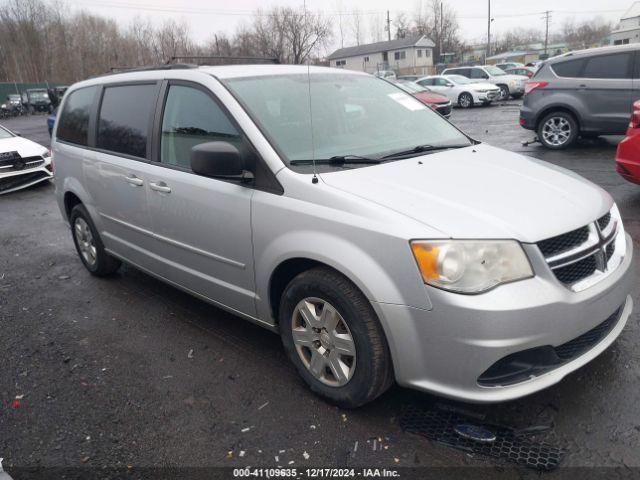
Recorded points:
557,108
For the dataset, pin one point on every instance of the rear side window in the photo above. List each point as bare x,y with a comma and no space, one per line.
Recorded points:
73,124
426,82
123,122
609,66
192,117
478,73
569,68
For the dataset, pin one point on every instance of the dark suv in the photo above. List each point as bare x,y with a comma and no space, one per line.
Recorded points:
585,93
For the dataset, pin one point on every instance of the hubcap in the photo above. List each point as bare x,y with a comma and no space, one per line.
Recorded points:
464,101
504,93
556,131
323,341
85,241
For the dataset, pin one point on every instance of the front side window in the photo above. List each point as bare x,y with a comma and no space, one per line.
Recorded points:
192,117
123,122
609,66
73,124
478,74
330,114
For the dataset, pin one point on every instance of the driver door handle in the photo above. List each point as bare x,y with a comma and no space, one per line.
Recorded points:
160,187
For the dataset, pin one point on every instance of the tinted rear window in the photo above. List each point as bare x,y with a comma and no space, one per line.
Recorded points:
73,125
569,68
609,66
125,114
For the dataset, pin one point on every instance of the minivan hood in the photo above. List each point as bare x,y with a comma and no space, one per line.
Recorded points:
479,192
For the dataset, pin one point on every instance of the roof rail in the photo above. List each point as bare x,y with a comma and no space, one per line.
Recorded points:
221,59
173,66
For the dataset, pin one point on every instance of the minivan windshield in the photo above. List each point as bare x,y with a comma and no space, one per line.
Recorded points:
324,115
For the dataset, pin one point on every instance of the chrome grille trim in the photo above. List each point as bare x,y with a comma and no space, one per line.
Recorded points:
605,245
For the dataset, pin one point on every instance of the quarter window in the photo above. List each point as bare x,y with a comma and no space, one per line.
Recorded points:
73,125
192,117
570,68
124,119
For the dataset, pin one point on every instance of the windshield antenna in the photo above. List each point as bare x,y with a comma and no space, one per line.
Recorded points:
314,180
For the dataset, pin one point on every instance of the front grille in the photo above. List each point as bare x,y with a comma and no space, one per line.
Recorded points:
20,163
584,342
604,221
611,248
17,180
561,243
577,271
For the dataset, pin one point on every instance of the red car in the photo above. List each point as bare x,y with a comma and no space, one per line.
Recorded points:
435,101
628,154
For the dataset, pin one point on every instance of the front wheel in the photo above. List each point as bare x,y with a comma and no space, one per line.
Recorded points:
558,130
465,100
504,92
333,337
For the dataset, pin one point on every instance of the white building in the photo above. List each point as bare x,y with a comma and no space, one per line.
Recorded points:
404,55
628,30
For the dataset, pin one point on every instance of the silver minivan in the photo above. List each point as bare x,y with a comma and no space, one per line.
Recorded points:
379,241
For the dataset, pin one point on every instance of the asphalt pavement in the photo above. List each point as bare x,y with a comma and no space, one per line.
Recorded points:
128,372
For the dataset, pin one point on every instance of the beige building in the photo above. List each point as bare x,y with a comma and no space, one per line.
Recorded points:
403,55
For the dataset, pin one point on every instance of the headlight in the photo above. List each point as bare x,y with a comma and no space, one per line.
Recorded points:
470,266
46,154
4,105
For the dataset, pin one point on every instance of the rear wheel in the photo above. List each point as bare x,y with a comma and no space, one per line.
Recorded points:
558,130
89,245
333,337
465,100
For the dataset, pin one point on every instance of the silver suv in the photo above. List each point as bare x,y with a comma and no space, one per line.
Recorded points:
586,93
510,85
377,239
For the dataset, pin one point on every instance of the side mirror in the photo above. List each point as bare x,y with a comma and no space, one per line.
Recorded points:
218,160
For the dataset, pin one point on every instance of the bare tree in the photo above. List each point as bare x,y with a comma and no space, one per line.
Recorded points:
439,21
357,25
585,34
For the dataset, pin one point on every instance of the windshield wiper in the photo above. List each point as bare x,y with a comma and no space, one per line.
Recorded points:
337,160
421,149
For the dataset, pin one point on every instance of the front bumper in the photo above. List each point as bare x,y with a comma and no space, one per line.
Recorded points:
445,350
16,180
486,97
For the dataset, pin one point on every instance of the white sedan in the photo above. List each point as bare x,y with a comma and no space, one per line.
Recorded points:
461,91
22,162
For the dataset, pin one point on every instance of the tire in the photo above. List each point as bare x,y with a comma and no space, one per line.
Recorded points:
88,241
465,100
516,96
504,93
557,130
367,373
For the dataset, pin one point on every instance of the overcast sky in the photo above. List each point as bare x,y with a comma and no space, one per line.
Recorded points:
206,17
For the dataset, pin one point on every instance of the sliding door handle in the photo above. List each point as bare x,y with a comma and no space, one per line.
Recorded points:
133,180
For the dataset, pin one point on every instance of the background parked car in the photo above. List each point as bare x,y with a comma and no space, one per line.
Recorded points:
510,85
460,90
385,74
433,100
628,154
38,100
22,162
411,78
584,93
523,71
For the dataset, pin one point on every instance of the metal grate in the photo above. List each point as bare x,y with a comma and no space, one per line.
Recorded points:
439,426
584,342
604,221
561,243
577,271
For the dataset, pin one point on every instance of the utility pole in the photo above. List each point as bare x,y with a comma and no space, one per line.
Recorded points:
388,26
441,24
488,30
547,16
